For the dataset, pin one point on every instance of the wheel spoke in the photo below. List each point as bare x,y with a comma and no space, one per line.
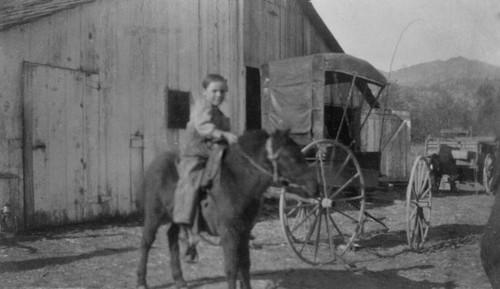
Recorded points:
330,239
312,227
344,186
413,213
415,225
425,194
318,231
309,214
344,214
342,167
336,227
421,226
323,152
349,199
294,208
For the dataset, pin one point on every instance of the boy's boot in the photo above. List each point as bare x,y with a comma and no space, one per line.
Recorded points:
191,254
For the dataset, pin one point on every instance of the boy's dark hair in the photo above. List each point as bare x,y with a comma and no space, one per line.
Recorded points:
213,78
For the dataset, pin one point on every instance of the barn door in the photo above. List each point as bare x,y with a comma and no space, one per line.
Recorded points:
60,143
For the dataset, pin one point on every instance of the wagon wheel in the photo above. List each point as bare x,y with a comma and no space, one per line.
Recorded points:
488,172
418,203
322,230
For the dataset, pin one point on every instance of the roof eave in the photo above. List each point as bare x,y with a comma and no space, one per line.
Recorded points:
320,25
14,13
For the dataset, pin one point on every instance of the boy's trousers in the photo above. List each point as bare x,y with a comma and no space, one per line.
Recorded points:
191,169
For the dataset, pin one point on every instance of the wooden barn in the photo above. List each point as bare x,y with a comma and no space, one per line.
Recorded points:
92,90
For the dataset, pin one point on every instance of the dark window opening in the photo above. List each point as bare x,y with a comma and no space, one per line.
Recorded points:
333,119
177,107
253,98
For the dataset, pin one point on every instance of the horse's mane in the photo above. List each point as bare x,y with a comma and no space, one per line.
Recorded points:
251,141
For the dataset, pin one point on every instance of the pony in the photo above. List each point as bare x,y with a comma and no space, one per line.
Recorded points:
258,160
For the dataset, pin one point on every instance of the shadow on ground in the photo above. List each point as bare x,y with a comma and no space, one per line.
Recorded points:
454,234
322,278
70,231
32,264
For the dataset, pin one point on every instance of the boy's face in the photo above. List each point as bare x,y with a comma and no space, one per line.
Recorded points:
215,92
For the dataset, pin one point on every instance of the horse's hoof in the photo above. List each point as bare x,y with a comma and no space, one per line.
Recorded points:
142,287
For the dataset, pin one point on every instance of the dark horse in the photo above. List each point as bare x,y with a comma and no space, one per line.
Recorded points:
441,164
490,242
248,168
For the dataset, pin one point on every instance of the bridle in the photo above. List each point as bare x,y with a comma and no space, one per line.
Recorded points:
273,157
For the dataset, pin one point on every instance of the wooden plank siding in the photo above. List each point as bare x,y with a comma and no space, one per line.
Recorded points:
138,49
132,52
277,30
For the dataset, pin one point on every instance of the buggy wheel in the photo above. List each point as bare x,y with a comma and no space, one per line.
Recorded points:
488,172
322,230
418,203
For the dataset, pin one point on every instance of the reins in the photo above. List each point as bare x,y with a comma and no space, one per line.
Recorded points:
272,156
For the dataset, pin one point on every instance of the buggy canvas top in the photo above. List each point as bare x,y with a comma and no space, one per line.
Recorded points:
296,90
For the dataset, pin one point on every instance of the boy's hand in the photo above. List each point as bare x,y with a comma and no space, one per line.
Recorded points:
230,137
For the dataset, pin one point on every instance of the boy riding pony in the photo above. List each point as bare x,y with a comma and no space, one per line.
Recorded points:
207,127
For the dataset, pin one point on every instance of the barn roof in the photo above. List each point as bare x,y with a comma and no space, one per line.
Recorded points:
16,12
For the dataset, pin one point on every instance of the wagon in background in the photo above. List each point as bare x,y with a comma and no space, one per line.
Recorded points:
472,155
472,158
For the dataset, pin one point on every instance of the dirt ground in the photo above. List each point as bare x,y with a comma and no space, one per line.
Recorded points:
105,256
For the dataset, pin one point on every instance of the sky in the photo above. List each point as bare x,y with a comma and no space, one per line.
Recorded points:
393,34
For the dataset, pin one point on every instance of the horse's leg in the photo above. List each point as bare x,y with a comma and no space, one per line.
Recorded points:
175,262
244,263
151,225
229,243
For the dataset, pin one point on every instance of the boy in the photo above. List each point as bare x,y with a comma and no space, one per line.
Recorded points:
207,126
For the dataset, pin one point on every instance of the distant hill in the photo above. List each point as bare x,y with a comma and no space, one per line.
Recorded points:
451,70
457,92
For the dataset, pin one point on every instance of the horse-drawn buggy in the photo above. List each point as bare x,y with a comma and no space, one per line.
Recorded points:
455,155
326,100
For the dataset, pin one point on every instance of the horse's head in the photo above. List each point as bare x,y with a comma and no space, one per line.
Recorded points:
434,164
290,164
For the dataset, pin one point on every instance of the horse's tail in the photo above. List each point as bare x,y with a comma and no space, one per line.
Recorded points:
152,187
